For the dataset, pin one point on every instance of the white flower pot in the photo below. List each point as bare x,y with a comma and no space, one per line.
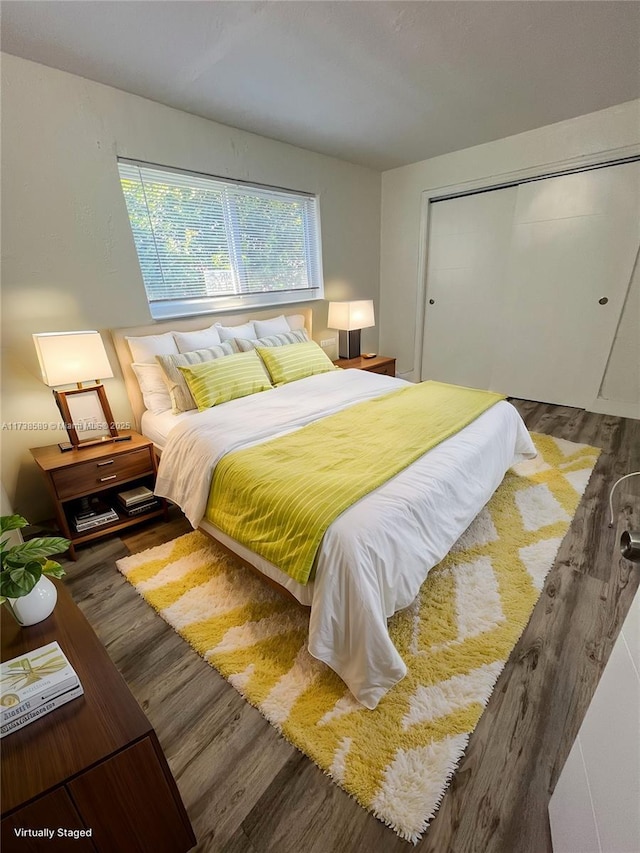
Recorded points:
35,605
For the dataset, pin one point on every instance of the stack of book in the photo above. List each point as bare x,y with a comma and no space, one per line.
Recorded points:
34,684
138,501
94,513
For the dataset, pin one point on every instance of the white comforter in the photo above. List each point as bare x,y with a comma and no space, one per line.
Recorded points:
375,556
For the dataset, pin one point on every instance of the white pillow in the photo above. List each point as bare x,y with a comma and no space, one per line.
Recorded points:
266,328
227,333
190,341
145,349
295,321
154,389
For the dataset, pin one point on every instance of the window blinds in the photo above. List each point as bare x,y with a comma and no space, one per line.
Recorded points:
212,241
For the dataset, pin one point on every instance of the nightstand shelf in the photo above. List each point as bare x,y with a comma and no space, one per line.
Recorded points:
122,523
378,364
101,470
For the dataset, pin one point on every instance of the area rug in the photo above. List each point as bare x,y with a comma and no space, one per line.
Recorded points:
455,639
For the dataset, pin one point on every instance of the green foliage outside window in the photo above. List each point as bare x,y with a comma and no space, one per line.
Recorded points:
198,237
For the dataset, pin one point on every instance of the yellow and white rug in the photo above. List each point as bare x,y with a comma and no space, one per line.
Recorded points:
455,639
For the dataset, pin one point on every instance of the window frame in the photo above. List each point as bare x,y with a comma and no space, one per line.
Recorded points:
164,309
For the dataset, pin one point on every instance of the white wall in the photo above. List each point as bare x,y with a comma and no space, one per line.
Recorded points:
607,134
69,260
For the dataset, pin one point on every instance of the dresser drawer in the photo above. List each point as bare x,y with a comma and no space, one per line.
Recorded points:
385,369
102,473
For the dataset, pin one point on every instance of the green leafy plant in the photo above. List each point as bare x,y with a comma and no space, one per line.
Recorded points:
23,565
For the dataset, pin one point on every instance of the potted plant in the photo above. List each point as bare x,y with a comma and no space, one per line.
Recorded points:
24,585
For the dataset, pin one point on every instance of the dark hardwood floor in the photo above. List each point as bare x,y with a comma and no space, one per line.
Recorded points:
248,791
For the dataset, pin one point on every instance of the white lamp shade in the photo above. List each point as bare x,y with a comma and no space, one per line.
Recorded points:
67,357
349,316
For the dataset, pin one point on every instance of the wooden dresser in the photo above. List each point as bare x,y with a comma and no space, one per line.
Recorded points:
92,764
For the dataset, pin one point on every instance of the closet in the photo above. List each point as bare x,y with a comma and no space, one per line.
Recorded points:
526,283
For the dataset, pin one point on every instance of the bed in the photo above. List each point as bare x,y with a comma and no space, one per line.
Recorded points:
374,557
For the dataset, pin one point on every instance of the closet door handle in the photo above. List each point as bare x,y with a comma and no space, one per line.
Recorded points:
603,301
432,302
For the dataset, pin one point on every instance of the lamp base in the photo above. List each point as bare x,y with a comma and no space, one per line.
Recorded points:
92,442
349,344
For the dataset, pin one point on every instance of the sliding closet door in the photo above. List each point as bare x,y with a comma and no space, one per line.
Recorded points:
466,263
573,248
525,285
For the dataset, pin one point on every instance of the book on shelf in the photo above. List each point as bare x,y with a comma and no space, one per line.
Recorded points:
141,508
19,722
89,507
86,512
92,512
34,681
98,521
132,497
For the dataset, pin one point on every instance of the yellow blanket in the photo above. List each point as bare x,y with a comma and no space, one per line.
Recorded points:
279,497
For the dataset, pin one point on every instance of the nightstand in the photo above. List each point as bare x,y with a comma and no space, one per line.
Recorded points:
378,364
98,471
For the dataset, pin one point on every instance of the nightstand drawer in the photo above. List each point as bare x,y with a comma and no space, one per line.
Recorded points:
384,369
101,473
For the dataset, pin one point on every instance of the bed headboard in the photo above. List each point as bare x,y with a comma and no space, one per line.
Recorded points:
188,324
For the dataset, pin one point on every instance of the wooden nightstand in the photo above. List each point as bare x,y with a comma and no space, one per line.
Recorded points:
378,364
101,470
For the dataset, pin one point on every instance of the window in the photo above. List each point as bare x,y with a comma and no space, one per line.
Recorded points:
206,244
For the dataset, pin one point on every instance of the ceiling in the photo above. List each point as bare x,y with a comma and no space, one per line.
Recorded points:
377,83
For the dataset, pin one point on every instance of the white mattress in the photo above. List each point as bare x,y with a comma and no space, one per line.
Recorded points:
158,427
375,556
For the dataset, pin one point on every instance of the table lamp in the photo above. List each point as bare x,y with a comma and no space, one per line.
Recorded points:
349,318
77,357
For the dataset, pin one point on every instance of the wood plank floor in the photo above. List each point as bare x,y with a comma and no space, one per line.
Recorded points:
249,791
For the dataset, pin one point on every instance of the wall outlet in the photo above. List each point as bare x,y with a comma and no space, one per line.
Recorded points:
329,342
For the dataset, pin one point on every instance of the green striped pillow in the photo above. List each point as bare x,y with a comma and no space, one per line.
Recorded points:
297,336
225,379
295,361
181,398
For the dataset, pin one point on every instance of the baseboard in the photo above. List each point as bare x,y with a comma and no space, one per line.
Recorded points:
409,375
615,407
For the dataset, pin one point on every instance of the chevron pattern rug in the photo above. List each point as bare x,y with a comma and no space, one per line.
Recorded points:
455,639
